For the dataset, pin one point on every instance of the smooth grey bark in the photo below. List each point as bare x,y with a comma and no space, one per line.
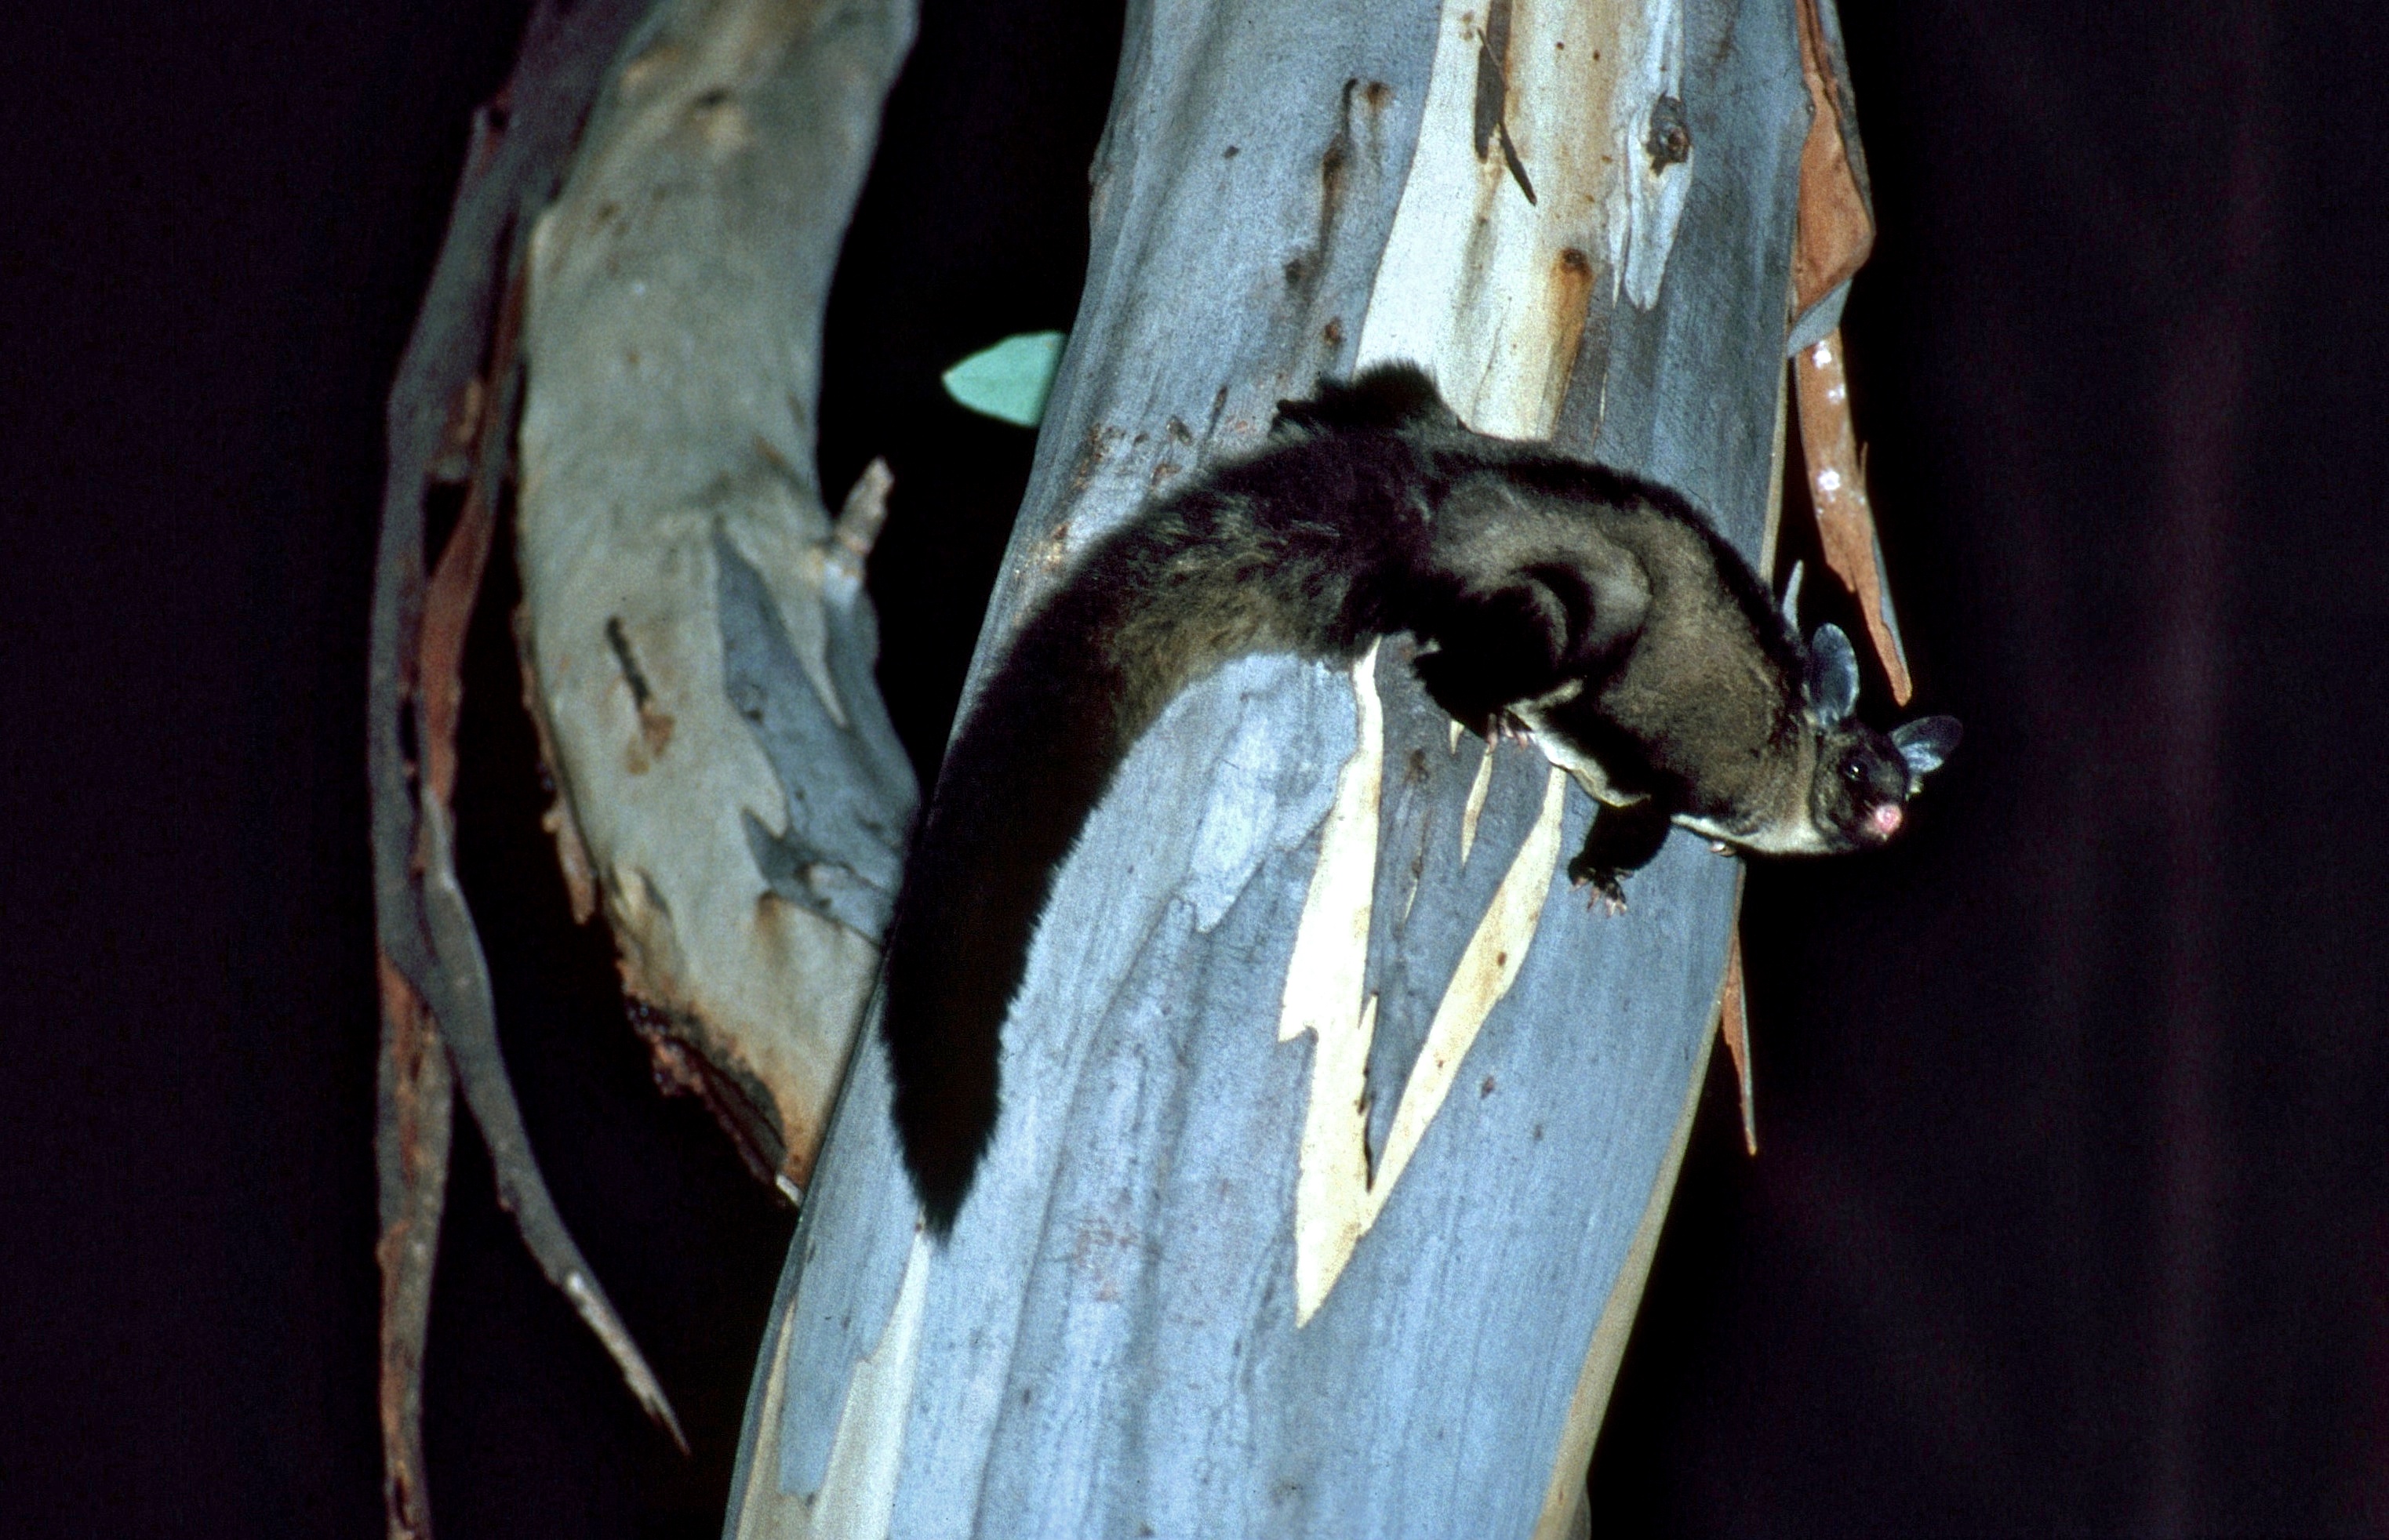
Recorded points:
697,643
1133,1330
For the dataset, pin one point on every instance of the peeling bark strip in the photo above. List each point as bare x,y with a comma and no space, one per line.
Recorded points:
439,411
1734,1025
795,87
410,1141
1160,1311
1834,235
459,986
1836,228
460,997
1838,492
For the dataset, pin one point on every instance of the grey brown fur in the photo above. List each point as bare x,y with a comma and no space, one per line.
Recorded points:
1598,611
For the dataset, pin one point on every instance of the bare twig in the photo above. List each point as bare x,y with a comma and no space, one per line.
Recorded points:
518,146
463,1001
411,1144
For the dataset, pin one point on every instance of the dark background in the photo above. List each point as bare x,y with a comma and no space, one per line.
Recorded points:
2070,1212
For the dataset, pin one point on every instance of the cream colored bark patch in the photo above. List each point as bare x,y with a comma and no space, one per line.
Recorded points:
764,1511
857,1492
1474,809
1336,1198
1323,996
857,1498
1486,284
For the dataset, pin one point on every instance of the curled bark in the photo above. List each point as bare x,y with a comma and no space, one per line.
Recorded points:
443,428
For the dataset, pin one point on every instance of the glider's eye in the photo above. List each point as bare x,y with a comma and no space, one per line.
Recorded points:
1853,773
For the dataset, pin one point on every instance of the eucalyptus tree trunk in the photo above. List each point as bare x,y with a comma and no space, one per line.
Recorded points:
1338,1131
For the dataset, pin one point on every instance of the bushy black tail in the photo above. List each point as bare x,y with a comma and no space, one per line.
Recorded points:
1040,746
1262,553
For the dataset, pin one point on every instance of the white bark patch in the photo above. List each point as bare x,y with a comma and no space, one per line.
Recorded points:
1323,996
1656,186
1336,1196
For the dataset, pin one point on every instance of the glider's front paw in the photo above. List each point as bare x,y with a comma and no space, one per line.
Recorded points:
1608,889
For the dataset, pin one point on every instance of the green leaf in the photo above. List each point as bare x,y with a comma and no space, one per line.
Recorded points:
1010,380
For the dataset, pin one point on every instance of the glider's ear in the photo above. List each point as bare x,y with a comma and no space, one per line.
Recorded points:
1832,676
1393,396
1925,743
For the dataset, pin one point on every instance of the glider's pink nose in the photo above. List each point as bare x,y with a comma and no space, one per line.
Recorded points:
1885,820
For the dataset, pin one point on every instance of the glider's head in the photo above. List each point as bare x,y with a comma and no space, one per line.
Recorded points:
1864,779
